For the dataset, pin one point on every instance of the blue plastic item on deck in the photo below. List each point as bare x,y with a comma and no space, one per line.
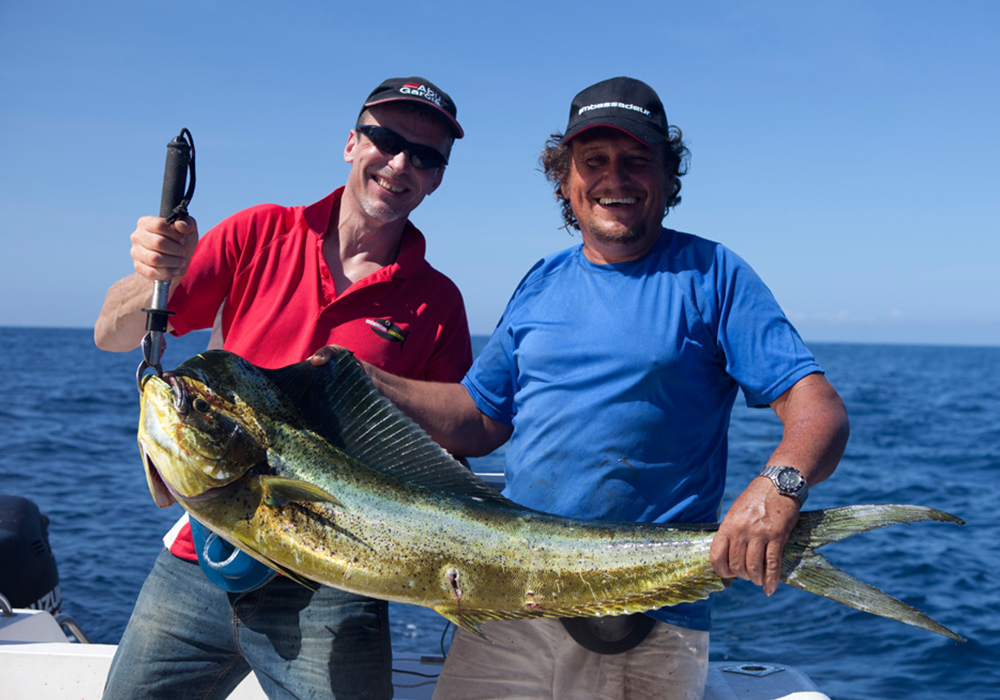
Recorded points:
224,565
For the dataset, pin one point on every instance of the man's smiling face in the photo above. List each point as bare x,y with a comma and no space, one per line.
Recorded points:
616,186
388,187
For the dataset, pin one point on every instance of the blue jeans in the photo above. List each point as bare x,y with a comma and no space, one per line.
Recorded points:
188,638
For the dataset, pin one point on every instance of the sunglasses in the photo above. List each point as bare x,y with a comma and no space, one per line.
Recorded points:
388,141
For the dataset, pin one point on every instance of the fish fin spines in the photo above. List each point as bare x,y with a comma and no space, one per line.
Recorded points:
469,623
340,404
689,591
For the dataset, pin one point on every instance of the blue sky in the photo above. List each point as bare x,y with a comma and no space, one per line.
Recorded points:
848,150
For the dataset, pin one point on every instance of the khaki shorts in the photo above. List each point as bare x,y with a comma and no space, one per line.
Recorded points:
536,659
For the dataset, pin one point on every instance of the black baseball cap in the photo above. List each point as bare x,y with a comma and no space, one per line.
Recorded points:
621,103
417,90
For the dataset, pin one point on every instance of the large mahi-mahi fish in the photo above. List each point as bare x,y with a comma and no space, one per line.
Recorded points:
309,470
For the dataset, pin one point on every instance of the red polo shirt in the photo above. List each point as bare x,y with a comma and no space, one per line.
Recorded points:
266,264
265,267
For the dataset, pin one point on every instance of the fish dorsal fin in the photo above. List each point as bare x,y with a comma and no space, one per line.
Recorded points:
338,402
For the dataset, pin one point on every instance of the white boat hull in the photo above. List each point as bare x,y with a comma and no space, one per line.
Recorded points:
38,662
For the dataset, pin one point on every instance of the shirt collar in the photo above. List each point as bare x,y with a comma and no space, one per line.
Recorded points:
412,248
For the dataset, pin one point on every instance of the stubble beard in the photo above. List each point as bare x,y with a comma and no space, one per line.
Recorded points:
377,208
632,234
382,212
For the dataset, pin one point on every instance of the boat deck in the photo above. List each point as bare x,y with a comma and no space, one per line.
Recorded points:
37,662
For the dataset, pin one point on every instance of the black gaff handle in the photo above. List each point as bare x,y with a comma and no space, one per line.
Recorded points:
173,205
174,200
180,160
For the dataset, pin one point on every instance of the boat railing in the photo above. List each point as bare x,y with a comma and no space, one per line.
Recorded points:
70,625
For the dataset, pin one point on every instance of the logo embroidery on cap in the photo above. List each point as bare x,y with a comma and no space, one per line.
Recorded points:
384,328
620,105
421,91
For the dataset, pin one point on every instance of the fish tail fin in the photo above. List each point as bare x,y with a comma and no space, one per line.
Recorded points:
805,568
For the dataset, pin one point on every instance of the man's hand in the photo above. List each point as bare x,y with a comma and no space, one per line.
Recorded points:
327,353
162,251
751,539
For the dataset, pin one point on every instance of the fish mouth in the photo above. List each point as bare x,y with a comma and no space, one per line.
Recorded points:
192,442
179,392
165,495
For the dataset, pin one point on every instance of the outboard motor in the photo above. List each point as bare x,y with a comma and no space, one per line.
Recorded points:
28,574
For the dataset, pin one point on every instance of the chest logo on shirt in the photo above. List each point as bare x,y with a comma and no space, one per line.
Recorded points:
384,328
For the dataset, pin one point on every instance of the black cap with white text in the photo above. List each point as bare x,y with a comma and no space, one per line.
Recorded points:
417,90
620,103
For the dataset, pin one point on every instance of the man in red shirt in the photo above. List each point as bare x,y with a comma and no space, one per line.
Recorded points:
348,270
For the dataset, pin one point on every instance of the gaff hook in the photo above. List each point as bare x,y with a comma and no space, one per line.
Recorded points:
173,205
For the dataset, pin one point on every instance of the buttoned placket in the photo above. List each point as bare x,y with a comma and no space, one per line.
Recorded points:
330,296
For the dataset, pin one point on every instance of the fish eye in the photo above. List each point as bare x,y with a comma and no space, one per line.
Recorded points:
201,405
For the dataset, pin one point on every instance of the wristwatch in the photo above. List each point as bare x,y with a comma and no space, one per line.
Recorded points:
788,480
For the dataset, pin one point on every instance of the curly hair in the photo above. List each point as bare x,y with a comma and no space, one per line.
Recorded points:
557,159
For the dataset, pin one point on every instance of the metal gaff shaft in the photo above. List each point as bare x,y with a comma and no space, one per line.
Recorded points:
173,205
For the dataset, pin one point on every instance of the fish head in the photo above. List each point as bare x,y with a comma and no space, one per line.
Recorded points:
197,433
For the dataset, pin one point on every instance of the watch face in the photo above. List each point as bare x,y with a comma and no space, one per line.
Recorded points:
789,480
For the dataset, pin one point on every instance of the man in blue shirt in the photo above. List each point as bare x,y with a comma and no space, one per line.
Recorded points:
612,374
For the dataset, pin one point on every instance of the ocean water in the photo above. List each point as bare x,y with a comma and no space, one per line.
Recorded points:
925,429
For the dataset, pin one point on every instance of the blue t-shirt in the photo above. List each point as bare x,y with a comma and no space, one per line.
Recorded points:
619,381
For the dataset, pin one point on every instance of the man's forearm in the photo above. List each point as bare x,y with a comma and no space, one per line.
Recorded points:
122,323
445,410
816,428
752,536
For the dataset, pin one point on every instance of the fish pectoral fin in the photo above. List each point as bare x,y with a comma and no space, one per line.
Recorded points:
280,490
